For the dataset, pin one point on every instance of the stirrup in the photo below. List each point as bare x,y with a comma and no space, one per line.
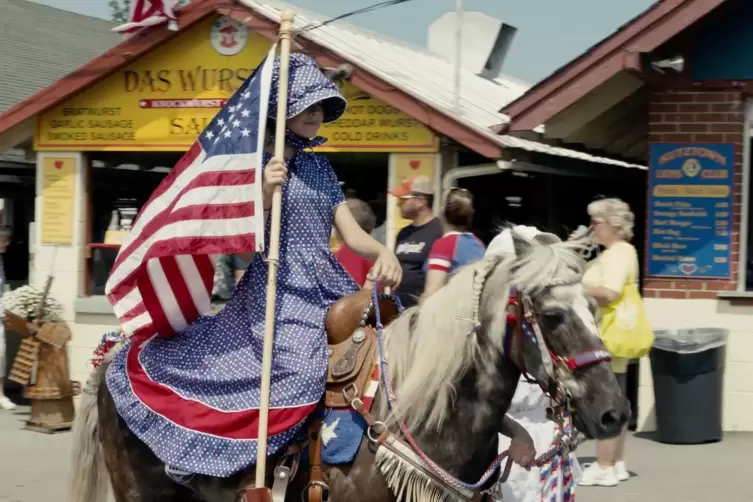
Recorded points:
311,484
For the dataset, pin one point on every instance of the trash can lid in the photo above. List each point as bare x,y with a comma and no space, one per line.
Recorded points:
689,341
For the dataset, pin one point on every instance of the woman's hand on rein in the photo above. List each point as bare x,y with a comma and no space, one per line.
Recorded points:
386,269
522,450
275,173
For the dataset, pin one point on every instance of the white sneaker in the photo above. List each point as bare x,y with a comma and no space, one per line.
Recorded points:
622,471
7,404
596,475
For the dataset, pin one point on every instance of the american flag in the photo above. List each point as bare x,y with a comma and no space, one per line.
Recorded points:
209,204
145,13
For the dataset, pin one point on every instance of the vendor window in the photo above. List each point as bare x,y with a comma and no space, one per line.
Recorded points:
116,196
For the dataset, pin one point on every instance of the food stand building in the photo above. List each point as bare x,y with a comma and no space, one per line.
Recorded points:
106,134
672,89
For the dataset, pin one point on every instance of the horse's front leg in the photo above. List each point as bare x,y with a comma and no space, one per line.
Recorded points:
360,481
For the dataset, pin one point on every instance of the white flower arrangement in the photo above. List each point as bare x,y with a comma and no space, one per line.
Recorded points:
25,301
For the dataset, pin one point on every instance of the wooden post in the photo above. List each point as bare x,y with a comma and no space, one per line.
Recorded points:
286,34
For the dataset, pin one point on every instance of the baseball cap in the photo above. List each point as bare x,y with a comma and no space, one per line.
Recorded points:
417,184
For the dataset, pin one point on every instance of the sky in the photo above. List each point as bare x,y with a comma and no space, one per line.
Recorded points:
550,32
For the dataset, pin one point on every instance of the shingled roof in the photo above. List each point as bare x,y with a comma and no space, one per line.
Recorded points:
41,44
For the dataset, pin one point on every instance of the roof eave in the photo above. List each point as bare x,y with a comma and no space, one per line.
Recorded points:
617,53
480,142
137,46
101,67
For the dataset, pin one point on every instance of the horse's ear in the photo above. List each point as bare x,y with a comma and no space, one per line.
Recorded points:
547,239
339,74
522,244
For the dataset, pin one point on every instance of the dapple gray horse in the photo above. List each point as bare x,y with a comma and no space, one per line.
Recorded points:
453,383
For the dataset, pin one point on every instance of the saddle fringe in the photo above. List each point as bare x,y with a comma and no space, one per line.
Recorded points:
410,478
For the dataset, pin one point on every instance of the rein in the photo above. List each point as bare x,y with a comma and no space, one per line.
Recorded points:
562,442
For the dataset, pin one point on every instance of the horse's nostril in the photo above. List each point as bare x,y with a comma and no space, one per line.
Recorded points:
610,419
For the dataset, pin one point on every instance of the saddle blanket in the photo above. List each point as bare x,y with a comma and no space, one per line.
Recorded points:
341,435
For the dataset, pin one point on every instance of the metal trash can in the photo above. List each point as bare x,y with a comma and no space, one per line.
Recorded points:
688,371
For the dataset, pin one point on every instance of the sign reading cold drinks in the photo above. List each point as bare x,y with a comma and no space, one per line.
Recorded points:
690,210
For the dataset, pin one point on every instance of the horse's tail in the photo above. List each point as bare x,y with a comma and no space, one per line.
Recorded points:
89,481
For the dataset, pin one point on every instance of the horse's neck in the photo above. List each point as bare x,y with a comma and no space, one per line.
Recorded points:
467,441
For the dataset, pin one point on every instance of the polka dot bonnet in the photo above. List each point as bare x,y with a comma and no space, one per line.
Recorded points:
307,85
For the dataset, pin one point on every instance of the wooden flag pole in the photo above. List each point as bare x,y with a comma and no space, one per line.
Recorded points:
286,34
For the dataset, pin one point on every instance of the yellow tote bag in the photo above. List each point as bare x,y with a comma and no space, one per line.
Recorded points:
624,326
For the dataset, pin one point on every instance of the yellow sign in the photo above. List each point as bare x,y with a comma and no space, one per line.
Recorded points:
58,194
369,125
405,166
712,191
163,100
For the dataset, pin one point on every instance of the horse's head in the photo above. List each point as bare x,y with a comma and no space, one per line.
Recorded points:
549,330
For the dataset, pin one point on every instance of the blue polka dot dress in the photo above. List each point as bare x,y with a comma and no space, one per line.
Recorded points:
193,398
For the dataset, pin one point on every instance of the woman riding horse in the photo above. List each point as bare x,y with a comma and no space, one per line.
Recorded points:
193,398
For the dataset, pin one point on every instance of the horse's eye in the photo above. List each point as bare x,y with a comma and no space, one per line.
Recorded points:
552,319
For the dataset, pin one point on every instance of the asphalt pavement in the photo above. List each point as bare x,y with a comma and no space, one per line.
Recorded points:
34,468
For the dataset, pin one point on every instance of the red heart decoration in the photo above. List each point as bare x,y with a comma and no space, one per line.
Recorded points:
415,164
688,268
58,164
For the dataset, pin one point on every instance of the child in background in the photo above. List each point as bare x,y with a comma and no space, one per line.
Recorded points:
357,266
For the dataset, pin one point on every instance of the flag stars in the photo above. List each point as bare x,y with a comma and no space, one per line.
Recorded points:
209,134
236,123
221,121
227,134
245,113
245,132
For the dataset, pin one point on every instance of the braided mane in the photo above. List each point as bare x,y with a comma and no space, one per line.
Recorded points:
426,360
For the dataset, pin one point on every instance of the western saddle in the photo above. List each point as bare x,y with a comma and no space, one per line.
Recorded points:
352,349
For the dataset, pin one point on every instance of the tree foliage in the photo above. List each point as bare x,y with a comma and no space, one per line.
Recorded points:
119,10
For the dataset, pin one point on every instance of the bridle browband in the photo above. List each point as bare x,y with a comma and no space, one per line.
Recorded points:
522,323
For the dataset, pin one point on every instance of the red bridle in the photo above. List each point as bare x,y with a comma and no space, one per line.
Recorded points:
526,325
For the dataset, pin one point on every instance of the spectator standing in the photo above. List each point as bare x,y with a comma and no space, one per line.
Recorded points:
5,403
458,246
357,266
413,243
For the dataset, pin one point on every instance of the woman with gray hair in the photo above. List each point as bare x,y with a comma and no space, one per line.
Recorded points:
605,280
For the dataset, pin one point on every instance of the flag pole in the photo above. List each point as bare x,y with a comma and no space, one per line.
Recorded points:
273,257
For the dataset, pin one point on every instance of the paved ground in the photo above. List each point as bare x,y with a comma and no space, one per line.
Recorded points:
690,473
33,468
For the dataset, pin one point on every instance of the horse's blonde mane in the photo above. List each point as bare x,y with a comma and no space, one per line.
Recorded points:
429,347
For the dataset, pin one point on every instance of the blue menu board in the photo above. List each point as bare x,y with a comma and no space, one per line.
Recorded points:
690,210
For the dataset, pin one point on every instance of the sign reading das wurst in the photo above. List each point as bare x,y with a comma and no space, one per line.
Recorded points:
162,101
